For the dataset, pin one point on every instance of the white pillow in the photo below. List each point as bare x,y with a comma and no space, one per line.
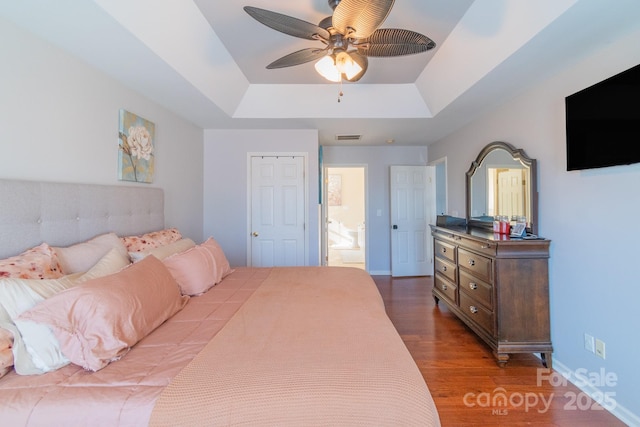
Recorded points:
111,263
36,350
83,256
164,251
19,295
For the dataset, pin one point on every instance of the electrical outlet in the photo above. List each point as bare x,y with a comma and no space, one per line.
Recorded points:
589,343
600,348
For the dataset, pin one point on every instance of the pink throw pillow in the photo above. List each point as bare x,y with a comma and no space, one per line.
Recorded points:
222,264
199,268
98,321
155,239
40,262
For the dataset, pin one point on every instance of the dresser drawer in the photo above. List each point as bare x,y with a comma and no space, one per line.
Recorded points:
477,264
477,289
446,288
446,268
476,312
485,247
445,250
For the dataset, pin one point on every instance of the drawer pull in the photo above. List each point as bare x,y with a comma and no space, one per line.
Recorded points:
444,268
472,262
487,246
444,250
444,287
473,286
473,309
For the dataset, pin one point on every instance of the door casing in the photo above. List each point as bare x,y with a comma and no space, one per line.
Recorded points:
324,214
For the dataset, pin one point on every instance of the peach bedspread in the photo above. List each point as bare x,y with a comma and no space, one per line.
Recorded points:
281,346
124,393
312,346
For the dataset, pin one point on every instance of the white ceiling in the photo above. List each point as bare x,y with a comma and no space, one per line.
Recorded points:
205,59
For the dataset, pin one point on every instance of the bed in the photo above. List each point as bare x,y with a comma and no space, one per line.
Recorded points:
282,346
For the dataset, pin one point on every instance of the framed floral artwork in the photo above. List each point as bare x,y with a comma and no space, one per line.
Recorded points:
135,148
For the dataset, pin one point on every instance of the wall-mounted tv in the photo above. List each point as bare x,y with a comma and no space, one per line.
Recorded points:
603,123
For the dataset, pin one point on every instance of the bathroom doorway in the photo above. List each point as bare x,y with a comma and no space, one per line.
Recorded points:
345,207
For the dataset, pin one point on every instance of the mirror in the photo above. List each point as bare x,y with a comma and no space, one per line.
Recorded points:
502,181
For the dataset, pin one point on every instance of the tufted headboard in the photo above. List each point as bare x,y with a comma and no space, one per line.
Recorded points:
62,214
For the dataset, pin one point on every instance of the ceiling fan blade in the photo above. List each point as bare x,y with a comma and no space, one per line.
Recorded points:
296,58
286,24
360,18
362,61
394,42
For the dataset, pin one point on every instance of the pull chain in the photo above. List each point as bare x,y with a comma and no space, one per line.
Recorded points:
340,94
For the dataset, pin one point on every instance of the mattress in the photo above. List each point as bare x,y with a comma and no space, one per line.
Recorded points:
266,346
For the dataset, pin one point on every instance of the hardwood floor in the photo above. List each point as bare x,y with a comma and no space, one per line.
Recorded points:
463,377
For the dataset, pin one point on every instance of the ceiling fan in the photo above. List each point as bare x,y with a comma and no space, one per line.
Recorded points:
350,36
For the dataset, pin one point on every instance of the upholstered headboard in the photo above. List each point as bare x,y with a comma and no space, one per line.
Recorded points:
62,214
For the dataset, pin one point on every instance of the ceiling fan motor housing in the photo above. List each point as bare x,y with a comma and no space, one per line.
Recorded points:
333,4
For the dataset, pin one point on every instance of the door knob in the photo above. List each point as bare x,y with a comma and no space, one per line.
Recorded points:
395,227
255,234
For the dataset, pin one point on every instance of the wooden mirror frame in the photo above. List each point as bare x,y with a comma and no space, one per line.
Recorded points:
520,156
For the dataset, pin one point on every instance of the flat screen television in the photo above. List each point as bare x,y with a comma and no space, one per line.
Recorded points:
603,123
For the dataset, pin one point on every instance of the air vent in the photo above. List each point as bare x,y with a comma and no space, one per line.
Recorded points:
348,137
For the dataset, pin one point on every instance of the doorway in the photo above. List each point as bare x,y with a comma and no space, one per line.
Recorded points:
345,207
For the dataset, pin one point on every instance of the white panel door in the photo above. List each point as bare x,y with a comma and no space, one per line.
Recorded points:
411,200
510,192
277,211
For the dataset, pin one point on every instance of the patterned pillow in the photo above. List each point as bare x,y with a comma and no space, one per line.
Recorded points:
155,239
40,262
6,339
6,361
164,251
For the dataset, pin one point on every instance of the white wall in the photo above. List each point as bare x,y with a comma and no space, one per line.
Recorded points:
59,122
378,159
225,184
590,216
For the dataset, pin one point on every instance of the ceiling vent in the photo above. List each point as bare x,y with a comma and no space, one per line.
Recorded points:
348,137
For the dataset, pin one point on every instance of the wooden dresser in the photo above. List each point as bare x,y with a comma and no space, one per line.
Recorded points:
496,285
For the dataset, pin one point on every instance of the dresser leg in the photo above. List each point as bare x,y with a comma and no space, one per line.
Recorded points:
546,360
436,299
502,359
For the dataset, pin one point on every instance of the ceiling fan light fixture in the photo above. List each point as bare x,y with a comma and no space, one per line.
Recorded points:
332,67
326,67
347,66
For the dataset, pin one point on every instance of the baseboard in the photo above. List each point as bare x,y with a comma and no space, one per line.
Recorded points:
619,411
380,273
